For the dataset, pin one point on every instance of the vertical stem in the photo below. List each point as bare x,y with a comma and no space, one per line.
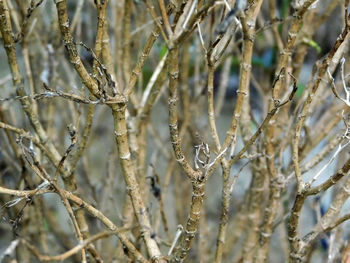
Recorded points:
293,227
118,40
132,185
192,222
173,118
126,40
211,112
225,209
255,193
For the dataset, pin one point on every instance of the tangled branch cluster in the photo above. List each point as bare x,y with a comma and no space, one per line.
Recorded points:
257,125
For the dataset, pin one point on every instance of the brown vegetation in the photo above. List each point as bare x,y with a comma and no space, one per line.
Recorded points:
197,131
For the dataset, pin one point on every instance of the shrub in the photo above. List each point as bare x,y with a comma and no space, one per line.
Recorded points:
244,103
